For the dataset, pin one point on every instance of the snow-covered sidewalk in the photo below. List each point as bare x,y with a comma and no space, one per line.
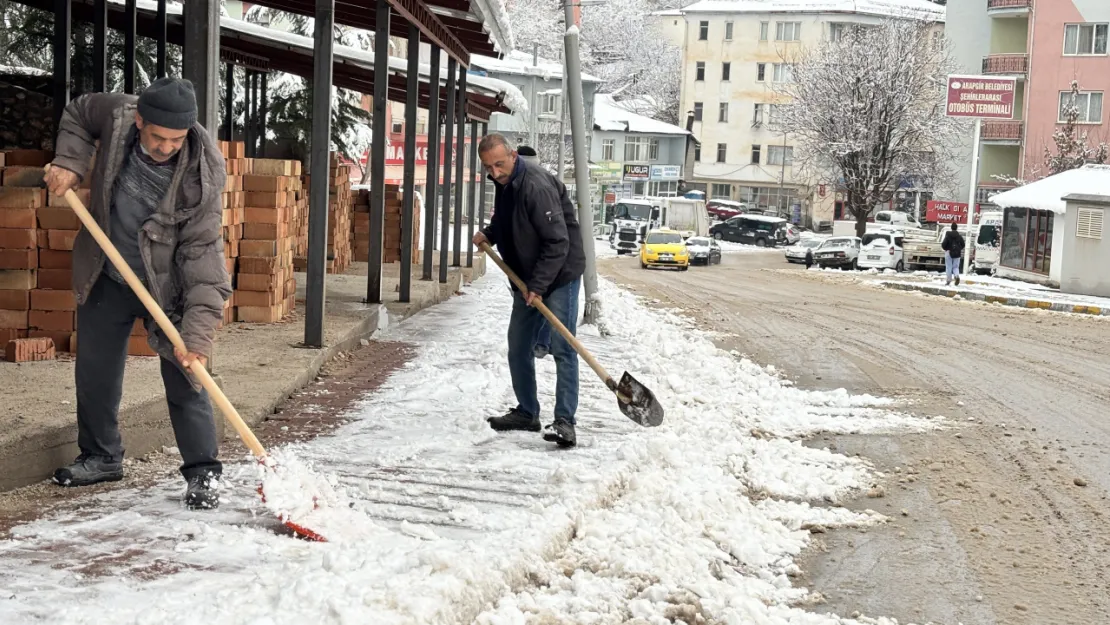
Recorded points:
1001,291
704,514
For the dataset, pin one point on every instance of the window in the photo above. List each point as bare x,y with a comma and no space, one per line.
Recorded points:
728,31
1088,105
1027,239
549,103
760,72
757,115
636,149
773,200
699,71
703,31
764,29
726,71
1082,39
697,152
398,127
608,148
783,72
756,153
698,111
1089,223
779,155
722,113
653,149
663,188
788,31
836,31
772,114
722,152
720,191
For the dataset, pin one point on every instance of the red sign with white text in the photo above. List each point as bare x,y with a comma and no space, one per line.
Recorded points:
946,212
985,97
395,150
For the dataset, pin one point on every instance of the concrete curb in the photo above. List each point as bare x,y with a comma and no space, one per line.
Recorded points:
1019,302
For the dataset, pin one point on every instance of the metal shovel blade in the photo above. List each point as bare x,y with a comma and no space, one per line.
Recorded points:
641,405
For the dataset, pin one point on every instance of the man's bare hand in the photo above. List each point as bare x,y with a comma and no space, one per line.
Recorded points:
479,239
532,299
59,180
186,360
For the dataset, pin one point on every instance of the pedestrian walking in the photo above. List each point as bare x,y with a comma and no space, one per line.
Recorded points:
536,231
156,190
953,245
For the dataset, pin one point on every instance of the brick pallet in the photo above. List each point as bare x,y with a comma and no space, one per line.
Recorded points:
339,253
265,288
391,234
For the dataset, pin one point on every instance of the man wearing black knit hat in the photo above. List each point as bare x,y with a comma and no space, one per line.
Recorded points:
156,190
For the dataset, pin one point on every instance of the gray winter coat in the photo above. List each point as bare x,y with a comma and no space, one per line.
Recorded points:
181,244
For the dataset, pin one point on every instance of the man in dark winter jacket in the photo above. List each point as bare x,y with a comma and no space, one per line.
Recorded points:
536,231
156,192
542,345
953,245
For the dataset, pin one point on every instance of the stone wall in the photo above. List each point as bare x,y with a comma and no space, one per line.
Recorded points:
26,112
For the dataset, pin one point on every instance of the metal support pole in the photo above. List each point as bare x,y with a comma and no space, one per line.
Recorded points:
100,45
412,89
130,14
377,154
201,57
229,101
432,184
581,171
448,149
460,156
248,116
319,167
63,22
262,112
482,186
972,195
470,189
160,29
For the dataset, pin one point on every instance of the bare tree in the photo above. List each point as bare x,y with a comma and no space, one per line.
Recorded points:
867,110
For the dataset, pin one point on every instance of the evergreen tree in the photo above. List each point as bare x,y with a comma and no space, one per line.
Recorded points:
1073,148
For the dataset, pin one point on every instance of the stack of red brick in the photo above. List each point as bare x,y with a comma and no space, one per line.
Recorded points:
339,220
391,234
265,289
234,202
360,223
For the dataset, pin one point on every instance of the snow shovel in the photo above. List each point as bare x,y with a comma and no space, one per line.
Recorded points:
634,399
197,369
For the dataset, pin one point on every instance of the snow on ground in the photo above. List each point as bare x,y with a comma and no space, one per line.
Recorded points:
705,513
1004,287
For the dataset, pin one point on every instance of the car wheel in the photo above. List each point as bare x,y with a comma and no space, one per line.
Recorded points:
855,264
643,265
761,242
684,268
899,268
718,236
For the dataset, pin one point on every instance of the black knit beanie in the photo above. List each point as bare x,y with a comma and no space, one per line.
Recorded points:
169,103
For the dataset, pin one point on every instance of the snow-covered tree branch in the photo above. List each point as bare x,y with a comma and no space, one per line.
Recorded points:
867,111
1074,147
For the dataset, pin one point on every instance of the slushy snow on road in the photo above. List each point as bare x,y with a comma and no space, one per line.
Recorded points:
703,515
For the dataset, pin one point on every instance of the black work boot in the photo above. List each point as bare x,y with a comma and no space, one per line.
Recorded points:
515,420
561,433
203,492
88,470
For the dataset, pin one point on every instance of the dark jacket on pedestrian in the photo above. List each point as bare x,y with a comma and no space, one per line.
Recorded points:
181,244
536,230
953,243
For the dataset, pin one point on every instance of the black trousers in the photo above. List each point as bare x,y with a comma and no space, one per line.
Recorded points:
104,324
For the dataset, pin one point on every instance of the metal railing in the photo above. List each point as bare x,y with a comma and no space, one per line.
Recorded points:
1009,4
1002,130
1006,64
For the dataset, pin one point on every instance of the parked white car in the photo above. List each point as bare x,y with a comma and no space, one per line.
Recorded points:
883,250
838,252
806,247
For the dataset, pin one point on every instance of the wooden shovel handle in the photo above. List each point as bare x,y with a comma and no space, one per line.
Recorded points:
553,320
197,369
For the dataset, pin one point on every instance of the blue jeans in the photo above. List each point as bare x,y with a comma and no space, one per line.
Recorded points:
951,266
524,328
543,338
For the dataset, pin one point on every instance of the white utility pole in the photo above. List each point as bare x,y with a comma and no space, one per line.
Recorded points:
966,260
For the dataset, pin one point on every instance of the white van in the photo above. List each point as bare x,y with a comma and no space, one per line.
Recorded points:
882,249
988,241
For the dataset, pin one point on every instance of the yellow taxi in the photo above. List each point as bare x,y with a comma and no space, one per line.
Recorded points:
664,248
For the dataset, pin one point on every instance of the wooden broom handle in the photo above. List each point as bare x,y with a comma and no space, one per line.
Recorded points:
197,369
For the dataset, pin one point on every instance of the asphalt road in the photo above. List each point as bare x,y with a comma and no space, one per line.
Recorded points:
1000,518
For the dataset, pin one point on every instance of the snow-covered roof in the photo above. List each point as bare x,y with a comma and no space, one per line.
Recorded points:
609,115
25,71
920,9
763,218
520,63
668,13
1048,194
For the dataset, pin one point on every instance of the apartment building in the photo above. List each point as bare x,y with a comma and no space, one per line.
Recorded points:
734,52
1045,44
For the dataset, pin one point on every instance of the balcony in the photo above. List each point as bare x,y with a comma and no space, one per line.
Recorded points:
1002,131
1006,64
986,190
1008,8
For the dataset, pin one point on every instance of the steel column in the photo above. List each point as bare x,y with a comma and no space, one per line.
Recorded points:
160,29
377,153
470,188
262,112
432,184
409,200
482,187
248,116
448,149
100,45
461,158
63,22
229,101
130,15
200,62
320,166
